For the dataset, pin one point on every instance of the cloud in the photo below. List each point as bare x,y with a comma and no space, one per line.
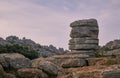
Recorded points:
37,22
47,22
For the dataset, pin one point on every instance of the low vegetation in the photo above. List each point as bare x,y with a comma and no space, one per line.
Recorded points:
15,48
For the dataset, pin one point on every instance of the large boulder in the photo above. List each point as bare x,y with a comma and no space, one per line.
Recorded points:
69,63
31,73
66,61
48,67
14,61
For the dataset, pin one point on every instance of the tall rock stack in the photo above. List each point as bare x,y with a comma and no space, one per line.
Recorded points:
84,36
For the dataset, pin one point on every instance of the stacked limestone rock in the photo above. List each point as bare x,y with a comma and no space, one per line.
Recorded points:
84,36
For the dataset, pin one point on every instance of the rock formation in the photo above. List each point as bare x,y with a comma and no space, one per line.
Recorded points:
74,64
14,61
43,50
84,36
111,48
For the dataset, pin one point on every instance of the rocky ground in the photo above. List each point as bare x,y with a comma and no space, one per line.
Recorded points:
15,65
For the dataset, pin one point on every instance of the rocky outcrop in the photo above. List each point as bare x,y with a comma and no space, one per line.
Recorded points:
115,44
3,42
63,66
64,61
78,63
111,48
70,63
48,67
84,36
93,72
43,50
31,73
14,61
115,52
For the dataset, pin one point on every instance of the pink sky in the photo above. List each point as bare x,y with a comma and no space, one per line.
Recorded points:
48,23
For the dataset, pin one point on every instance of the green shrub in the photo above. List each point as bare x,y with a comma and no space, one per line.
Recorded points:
2,74
24,50
111,62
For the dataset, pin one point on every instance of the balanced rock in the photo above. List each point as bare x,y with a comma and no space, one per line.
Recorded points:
84,36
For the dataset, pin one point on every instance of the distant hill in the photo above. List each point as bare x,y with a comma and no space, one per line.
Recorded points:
13,42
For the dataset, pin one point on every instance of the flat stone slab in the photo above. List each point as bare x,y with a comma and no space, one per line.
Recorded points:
86,31
83,47
84,22
83,41
89,53
68,56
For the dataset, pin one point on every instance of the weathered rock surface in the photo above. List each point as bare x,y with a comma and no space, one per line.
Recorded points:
115,52
112,48
93,72
65,61
83,47
14,61
70,63
83,53
83,41
103,61
31,73
84,31
9,75
115,44
91,22
84,36
48,67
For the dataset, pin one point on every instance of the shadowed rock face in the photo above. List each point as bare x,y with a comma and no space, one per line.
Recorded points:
14,61
84,36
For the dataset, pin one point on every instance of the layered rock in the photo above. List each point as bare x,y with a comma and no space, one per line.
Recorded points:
84,36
